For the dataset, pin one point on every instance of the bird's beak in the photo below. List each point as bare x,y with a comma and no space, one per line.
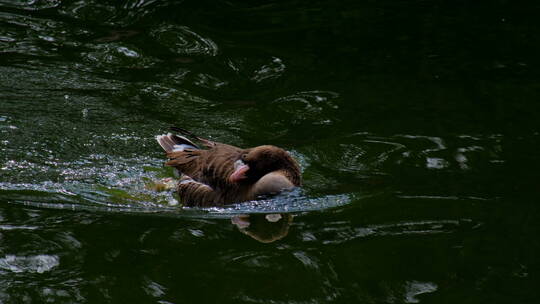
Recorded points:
240,169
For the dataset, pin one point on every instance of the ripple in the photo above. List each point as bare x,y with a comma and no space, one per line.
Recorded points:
464,152
272,70
307,260
111,56
96,201
436,163
102,181
89,11
11,227
36,264
209,82
342,231
153,288
360,154
415,288
28,35
181,40
284,203
32,5
313,107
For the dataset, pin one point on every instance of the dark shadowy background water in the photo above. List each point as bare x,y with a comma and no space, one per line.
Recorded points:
415,123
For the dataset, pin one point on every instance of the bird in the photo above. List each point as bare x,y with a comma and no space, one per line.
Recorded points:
221,174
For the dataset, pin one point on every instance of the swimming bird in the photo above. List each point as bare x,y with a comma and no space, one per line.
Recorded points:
223,174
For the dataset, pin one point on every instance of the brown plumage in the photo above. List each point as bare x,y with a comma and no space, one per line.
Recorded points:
223,174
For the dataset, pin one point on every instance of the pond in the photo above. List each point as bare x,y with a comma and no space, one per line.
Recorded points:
415,124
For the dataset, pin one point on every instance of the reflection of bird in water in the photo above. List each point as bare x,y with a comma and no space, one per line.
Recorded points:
224,174
265,228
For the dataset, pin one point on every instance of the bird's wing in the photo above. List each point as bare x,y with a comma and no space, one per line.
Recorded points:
212,167
195,194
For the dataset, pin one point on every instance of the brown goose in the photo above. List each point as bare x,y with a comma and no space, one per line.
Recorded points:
224,174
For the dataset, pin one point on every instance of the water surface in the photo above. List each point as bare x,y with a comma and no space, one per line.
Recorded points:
415,124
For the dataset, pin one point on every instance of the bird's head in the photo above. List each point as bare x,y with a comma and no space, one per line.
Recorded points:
256,162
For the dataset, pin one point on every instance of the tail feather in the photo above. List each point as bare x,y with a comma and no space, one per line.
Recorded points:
205,142
181,140
173,143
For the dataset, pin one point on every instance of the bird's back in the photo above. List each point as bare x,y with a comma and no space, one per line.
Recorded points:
211,167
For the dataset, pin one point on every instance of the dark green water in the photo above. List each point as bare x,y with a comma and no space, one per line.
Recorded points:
415,123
